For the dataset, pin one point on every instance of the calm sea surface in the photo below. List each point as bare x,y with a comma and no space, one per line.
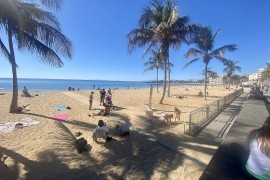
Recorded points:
63,84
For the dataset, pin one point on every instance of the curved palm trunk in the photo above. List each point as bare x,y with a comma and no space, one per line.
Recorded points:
205,81
164,49
169,78
14,101
157,80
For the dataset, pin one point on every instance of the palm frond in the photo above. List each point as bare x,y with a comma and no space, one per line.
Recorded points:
215,35
191,62
54,39
221,59
4,50
55,4
46,54
220,51
148,69
193,52
139,37
36,13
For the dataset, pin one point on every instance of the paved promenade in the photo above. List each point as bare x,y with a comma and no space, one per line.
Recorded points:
226,163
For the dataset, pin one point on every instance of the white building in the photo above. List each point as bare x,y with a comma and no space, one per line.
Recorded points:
218,80
256,76
253,77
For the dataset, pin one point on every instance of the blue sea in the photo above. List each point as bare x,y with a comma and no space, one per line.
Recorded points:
63,84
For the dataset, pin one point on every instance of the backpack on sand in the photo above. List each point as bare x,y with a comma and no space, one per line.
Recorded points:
81,145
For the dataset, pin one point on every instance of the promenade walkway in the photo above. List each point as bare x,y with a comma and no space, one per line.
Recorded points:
225,164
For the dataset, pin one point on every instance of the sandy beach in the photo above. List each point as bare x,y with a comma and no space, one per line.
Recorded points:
47,150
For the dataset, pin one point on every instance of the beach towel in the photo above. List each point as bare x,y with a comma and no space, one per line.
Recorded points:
60,117
11,126
61,107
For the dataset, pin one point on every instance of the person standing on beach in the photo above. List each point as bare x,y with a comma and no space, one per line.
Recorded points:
91,100
94,86
102,96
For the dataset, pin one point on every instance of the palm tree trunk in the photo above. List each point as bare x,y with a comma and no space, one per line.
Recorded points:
229,81
14,101
157,80
169,77
164,49
205,81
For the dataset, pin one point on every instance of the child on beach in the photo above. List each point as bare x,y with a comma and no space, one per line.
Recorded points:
91,100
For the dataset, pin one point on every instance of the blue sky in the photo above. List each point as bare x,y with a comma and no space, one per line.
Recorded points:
98,30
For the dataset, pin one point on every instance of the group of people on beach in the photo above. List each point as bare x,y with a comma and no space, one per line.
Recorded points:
105,100
73,89
121,129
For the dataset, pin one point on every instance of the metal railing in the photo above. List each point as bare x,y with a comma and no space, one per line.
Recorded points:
201,116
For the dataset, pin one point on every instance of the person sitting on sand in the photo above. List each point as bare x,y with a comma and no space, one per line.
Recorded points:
102,127
200,93
25,92
122,130
104,112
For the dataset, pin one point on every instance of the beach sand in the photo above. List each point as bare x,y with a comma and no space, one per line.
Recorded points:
47,150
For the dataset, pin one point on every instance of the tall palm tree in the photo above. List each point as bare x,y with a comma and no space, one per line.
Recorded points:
34,29
230,69
205,50
160,25
155,62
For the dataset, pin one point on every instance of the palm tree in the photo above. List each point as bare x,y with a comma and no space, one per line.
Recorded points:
33,29
230,68
266,73
155,62
205,50
212,75
160,25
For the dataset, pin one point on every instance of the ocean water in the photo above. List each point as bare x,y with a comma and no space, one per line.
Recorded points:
63,84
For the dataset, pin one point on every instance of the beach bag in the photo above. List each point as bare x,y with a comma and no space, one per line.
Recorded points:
81,145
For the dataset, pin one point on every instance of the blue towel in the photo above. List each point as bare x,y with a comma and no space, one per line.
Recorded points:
61,107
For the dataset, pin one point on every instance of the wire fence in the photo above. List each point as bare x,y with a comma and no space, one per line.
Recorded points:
201,116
